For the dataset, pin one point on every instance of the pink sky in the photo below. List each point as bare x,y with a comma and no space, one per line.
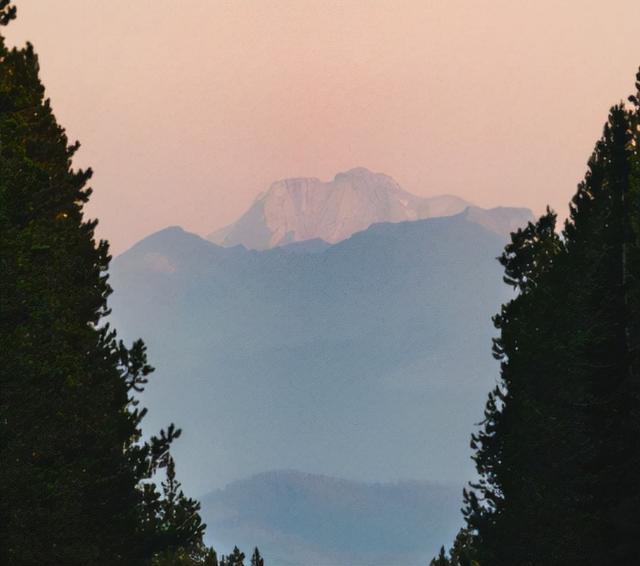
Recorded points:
186,110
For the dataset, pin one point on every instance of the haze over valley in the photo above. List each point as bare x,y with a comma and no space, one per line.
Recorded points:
344,329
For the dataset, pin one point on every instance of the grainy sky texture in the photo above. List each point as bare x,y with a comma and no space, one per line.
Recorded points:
188,109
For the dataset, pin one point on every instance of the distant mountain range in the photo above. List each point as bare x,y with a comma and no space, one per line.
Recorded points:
297,518
299,209
368,358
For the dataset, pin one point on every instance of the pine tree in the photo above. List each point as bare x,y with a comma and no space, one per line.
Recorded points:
177,519
7,12
441,559
256,559
558,452
628,512
74,472
236,558
512,451
461,553
601,244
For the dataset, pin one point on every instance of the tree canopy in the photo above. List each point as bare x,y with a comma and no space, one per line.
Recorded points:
558,451
77,477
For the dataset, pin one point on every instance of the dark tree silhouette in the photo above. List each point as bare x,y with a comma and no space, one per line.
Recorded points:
558,452
75,473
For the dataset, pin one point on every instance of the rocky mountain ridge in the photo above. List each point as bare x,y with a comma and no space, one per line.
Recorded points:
300,209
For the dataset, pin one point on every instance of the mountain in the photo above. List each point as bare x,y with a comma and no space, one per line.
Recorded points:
501,220
294,210
301,519
366,359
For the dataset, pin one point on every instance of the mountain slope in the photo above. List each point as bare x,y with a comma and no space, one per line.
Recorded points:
368,359
299,519
299,209
501,220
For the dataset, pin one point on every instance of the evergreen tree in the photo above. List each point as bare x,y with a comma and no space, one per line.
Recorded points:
512,450
256,559
236,558
460,554
602,242
559,449
632,299
7,12
74,472
441,559
177,519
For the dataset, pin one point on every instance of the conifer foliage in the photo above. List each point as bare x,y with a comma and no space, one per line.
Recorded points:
256,558
460,553
558,452
236,558
75,474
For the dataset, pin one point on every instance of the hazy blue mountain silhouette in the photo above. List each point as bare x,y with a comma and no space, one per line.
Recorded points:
314,520
368,359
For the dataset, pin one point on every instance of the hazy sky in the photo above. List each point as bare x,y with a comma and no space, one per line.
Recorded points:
188,109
